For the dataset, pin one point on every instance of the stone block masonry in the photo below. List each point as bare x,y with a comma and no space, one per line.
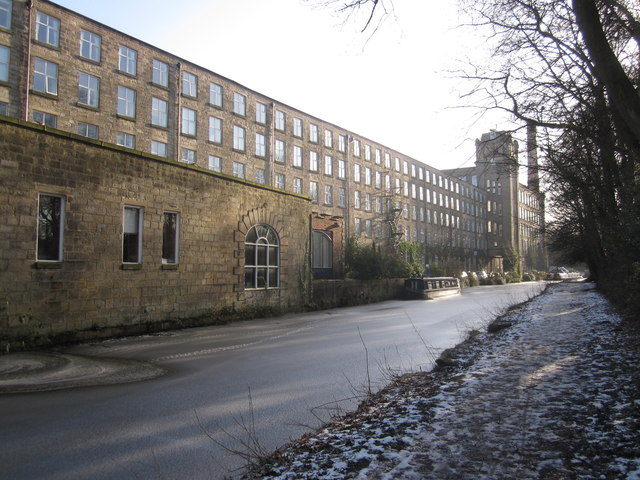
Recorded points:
91,287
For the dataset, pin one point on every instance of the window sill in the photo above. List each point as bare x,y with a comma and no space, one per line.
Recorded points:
169,266
89,60
125,117
87,107
44,265
51,96
131,266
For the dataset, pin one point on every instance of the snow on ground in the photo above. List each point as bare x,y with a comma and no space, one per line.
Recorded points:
553,397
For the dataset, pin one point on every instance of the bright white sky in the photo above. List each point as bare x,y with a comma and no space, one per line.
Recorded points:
392,88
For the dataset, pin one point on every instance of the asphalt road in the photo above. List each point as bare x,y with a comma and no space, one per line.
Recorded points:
254,384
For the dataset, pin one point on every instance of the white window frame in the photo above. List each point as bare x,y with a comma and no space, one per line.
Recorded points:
5,59
159,112
126,140
132,226
126,102
47,29
297,127
127,60
215,94
88,90
281,121
215,130
261,145
45,76
188,156
159,73
88,130
215,163
297,156
5,14
261,113
239,104
189,121
189,84
239,170
239,138
280,151
90,45
158,148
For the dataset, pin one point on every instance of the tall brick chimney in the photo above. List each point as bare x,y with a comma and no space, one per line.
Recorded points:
533,180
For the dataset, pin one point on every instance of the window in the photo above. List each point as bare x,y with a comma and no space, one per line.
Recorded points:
47,119
367,176
280,121
342,197
387,160
356,199
262,258
188,121
159,109
90,45
280,181
125,140
356,148
322,252
215,163
132,235
313,133
297,156
261,176
238,138
313,161
4,63
160,73
297,127
367,202
239,104
297,185
126,102
261,113
238,169
158,148
127,60
367,152
215,130
170,229
405,167
328,195
280,151
188,156
356,172
88,130
313,191
88,90
189,84
342,143
45,77
328,138
261,145
5,14
378,156
328,165
215,94
342,169
47,29
50,227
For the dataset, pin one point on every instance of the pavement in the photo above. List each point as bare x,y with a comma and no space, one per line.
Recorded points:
42,371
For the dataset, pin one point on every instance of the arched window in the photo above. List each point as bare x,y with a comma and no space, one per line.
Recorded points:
261,258
322,254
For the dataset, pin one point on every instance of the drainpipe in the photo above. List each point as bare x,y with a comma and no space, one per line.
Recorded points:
29,6
272,144
347,182
179,112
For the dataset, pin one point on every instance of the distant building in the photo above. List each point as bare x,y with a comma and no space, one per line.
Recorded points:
515,212
253,197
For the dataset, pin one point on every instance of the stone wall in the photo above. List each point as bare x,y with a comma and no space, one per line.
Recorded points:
91,287
349,292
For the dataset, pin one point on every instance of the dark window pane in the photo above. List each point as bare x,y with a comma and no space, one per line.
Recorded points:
49,227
